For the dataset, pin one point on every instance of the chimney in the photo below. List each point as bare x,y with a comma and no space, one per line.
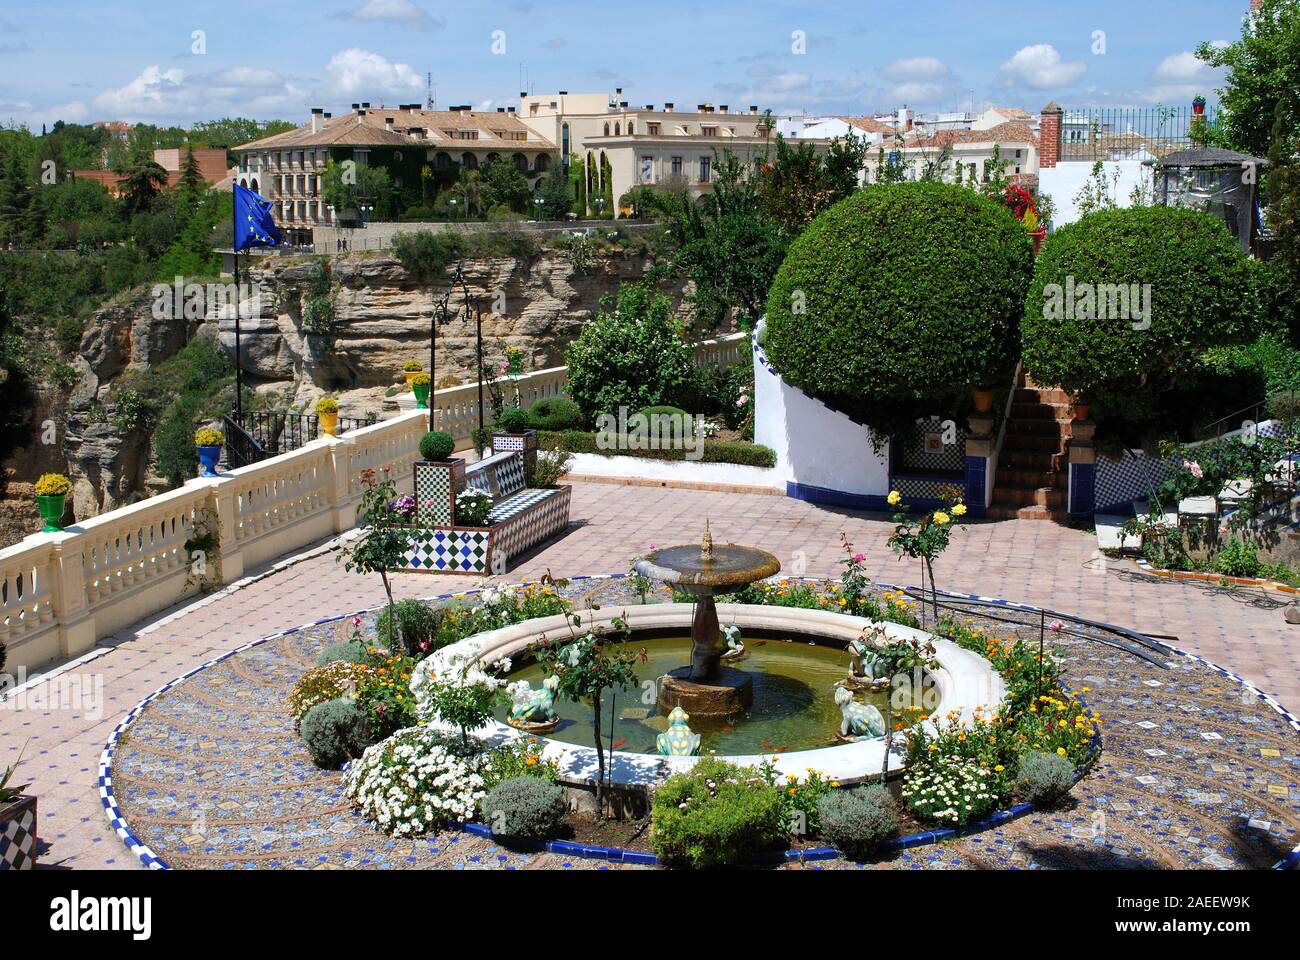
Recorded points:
650,107
722,109
365,104
510,109
618,92
904,119
317,119
1049,136
668,107
356,107
388,124
623,104
753,109
564,93
328,115
361,113
523,93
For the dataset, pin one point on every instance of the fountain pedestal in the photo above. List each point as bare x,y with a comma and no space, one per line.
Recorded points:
727,696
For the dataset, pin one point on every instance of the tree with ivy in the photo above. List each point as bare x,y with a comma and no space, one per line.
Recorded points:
384,542
506,185
345,186
586,666
556,194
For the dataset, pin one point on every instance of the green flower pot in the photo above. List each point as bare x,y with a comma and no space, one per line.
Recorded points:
51,508
421,391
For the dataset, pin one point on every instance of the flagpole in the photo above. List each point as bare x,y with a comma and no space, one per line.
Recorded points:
239,366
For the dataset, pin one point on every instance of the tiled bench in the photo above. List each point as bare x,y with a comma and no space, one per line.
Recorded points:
520,517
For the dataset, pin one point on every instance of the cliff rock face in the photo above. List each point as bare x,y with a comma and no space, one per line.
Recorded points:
536,304
382,319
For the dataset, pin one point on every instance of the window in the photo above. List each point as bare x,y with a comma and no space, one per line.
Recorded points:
709,131
542,163
652,129
607,129
564,142
616,129
631,128
646,170
521,162
441,161
469,161
705,163
676,166
466,134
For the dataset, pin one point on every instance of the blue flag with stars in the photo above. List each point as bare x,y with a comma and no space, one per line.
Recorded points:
253,224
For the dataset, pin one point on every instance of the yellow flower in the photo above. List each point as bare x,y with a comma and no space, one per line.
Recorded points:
959,509
893,498
1061,750
941,518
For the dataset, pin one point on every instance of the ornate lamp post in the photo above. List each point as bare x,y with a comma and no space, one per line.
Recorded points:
459,277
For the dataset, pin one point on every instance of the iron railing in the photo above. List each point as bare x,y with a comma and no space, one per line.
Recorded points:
255,436
1128,133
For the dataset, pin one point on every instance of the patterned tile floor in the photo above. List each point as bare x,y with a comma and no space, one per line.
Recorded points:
1194,774
60,736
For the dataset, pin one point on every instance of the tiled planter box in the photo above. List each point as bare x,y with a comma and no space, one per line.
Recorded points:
18,835
525,443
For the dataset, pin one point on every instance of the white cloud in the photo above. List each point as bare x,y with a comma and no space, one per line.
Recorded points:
357,71
914,69
401,12
1040,67
916,93
25,113
1181,76
173,96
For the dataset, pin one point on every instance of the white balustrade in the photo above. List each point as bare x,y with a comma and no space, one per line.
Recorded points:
27,573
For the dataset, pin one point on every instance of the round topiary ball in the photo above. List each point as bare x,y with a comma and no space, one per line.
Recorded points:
335,731
898,300
858,821
512,420
525,807
555,413
437,445
1045,778
344,652
1124,304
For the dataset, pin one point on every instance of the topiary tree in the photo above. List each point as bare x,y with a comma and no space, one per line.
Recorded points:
898,300
528,808
437,445
632,355
1124,304
335,731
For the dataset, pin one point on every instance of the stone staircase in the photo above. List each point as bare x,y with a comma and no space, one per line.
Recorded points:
1032,467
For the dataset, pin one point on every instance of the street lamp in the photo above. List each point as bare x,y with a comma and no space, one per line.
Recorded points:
433,347
452,201
459,277
539,202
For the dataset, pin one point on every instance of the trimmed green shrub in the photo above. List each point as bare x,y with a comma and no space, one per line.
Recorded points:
664,410
555,413
1045,778
437,445
715,451
345,652
530,808
1238,558
335,731
632,355
417,624
715,815
858,821
512,420
897,301
1194,289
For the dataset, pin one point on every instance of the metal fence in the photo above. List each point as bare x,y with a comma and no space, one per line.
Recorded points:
256,436
1128,133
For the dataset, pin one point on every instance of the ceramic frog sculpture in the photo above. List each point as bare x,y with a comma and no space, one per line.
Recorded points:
678,741
735,646
534,706
864,660
858,719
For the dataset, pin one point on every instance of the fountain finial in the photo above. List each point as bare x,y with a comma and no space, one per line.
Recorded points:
706,542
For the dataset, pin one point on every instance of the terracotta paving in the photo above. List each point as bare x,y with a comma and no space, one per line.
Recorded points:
1033,561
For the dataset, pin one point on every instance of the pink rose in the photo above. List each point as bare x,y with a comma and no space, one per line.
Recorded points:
859,558
1055,626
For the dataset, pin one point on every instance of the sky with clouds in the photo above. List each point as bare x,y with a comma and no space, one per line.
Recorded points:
180,61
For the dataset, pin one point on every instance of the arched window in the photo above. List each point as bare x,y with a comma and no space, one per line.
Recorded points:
521,162
616,129
542,163
255,188
631,128
441,161
607,129
469,161
490,158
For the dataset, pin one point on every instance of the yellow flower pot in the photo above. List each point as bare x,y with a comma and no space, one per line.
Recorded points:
410,375
329,423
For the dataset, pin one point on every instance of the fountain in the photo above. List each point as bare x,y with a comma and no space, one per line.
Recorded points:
706,689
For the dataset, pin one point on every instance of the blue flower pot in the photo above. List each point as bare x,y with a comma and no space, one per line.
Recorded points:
208,458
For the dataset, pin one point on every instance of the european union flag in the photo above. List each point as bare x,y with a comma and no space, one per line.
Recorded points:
253,224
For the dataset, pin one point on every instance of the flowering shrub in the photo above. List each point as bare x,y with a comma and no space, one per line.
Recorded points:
327,405
521,757
413,366
416,779
800,798
52,485
714,815
951,790
207,437
472,508
459,691
926,538
338,679
384,693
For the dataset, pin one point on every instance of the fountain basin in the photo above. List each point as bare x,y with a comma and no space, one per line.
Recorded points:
962,681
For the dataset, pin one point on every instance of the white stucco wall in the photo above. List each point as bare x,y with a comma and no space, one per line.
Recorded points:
815,446
1063,182
677,471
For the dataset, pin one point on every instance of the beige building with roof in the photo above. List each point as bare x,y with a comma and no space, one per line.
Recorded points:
287,168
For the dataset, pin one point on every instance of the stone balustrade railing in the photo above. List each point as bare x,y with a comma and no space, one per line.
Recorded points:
60,593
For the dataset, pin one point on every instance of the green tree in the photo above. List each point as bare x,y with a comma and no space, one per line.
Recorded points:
19,214
383,544
345,186
556,194
1263,72
800,183
144,179
506,185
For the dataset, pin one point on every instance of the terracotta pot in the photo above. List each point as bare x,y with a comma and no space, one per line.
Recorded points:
410,375
1198,109
329,422
1081,411
983,400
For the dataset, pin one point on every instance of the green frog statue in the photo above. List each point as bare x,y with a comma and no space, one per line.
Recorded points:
735,646
865,665
677,740
534,710
858,720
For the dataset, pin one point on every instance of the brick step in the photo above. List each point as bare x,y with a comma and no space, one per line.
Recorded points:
1018,477
1040,411
1027,443
1026,513
1040,395
1031,460
1049,497
1039,428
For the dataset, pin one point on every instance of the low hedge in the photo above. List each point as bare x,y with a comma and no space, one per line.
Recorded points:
739,452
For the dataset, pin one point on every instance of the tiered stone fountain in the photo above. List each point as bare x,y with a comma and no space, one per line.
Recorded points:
707,689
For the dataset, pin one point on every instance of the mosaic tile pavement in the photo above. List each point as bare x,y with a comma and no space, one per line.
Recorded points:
1195,773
